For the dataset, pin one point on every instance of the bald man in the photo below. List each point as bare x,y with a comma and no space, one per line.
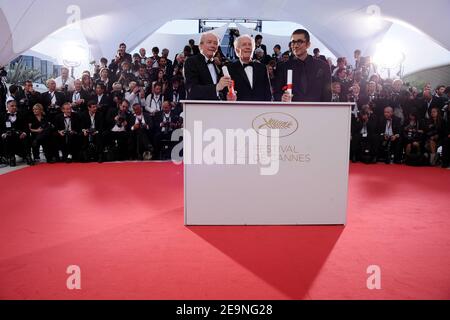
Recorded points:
204,80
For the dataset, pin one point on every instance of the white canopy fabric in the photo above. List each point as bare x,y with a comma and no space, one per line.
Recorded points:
341,26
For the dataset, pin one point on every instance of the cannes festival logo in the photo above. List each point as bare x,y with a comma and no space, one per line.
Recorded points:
285,123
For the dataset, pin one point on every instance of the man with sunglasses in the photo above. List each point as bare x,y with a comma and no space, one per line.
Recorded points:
311,77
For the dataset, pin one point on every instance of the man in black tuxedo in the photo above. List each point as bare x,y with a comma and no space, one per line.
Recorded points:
194,48
30,98
3,90
68,129
104,102
317,55
92,131
251,80
166,121
258,44
116,129
121,57
311,77
52,100
79,98
14,133
203,78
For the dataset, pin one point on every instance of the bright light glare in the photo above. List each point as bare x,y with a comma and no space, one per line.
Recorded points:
74,53
388,55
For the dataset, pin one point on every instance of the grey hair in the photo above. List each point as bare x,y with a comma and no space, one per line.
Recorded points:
238,39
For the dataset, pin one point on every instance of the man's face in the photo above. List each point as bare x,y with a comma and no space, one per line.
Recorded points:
388,113
166,107
123,106
371,87
276,50
12,107
123,48
165,53
209,45
77,85
245,49
337,88
137,109
64,73
28,87
440,91
67,109
141,72
299,45
93,108
397,85
157,90
52,86
162,62
142,52
99,90
285,57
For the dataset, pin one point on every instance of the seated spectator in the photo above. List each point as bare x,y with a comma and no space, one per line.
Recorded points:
104,77
140,127
40,133
68,129
435,130
175,94
14,135
29,99
87,84
388,131
126,76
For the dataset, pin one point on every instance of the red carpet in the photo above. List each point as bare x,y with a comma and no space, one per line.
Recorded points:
123,225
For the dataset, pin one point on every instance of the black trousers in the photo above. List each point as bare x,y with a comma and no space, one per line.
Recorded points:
117,141
12,145
41,139
139,142
68,144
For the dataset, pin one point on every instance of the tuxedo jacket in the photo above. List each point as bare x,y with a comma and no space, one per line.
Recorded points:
83,95
198,80
159,117
86,121
396,126
60,124
46,99
19,125
148,120
110,122
260,89
105,103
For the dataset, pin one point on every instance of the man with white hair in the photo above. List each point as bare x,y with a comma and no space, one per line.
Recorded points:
52,100
204,80
251,80
64,82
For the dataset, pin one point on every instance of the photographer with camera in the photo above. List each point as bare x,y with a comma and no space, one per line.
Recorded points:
363,138
413,134
140,127
126,76
79,98
30,98
64,83
135,95
92,133
388,131
116,131
121,56
52,100
435,132
40,131
104,102
68,129
14,135
166,121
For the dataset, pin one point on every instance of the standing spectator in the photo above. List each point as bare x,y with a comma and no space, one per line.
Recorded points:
435,133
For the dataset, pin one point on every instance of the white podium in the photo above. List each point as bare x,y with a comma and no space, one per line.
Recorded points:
310,186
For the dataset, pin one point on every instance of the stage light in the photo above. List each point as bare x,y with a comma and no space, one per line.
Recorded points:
388,55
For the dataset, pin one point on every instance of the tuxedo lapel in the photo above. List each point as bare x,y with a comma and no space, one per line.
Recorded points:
242,73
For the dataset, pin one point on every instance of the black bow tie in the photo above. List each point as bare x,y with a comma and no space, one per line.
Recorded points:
12,114
245,65
209,62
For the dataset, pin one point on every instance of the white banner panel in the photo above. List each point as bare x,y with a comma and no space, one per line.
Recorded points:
310,186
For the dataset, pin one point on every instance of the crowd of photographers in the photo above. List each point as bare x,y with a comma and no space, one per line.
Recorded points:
129,107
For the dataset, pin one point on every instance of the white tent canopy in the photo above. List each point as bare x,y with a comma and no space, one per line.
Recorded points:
341,26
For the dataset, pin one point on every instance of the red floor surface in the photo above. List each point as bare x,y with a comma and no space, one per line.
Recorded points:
123,225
